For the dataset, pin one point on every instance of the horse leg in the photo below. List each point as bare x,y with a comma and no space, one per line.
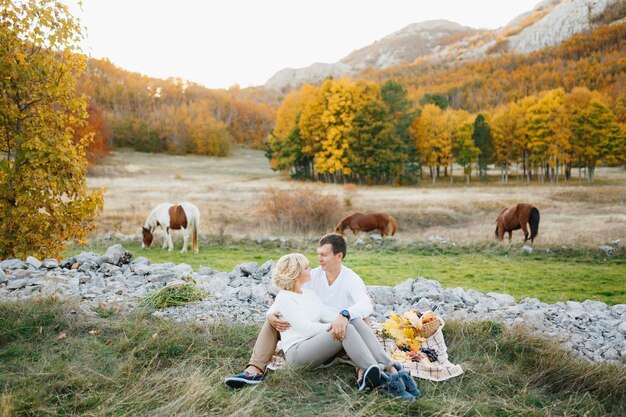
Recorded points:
185,240
170,245
510,235
165,239
525,232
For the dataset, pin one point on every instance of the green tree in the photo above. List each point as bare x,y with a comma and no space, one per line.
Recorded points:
44,200
399,108
484,142
375,150
438,100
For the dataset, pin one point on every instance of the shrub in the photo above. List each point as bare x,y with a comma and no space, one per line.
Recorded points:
175,295
300,210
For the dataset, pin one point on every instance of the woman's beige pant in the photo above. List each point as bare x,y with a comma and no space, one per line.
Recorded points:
359,342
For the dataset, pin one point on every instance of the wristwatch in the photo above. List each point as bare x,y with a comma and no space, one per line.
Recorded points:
345,313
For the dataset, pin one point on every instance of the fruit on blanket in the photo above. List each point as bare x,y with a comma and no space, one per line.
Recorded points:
400,356
394,317
412,317
408,333
428,316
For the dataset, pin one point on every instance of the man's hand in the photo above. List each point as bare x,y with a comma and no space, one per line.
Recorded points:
338,327
277,323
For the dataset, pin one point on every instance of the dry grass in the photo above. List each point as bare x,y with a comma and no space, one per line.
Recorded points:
299,210
229,193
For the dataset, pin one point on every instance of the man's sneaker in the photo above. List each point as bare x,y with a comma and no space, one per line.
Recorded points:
244,378
409,383
371,378
396,388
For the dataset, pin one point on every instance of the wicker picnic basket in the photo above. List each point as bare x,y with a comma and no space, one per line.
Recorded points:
428,329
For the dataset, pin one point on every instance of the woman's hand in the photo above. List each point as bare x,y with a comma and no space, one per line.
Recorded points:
277,323
338,327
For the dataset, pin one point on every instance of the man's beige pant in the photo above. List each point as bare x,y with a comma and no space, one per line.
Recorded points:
264,347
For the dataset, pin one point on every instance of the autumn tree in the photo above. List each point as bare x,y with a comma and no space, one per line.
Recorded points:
595,135
433,138
96,126
507,127
548,134
285,147
44,200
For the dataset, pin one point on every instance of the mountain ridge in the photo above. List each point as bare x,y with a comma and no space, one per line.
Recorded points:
549,23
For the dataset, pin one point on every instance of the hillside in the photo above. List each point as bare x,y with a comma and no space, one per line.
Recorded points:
547,24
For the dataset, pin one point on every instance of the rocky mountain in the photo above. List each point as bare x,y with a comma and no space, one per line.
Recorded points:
549,23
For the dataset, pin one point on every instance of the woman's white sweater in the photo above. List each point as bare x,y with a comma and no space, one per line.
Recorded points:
306,314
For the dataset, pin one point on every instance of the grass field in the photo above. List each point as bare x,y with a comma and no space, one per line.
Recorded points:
558,275
138,365
229,191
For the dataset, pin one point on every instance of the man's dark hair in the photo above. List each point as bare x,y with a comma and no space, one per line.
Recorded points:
337,242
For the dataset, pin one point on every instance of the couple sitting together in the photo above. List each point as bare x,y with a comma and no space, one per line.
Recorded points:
317,314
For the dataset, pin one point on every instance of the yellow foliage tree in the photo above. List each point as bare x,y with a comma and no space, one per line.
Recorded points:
548,134
44,201
433,136
509,138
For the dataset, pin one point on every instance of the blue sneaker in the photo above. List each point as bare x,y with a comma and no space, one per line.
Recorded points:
371,378
396,388
244,378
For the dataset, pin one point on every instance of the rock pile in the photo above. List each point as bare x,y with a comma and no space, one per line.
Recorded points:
591,329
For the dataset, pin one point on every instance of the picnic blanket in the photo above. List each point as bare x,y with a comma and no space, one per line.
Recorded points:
441,370
436,371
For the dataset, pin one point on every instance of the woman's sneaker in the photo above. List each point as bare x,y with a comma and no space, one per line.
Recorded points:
244,378
370,380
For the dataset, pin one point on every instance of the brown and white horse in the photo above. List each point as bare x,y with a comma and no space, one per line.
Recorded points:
367,222
184,217
517,217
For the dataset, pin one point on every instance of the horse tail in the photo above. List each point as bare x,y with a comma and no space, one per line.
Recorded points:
534,223
194,229
392,226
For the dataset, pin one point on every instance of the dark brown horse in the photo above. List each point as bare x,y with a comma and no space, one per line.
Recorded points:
367,222
517,217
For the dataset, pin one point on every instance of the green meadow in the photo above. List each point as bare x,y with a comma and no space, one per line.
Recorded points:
550,274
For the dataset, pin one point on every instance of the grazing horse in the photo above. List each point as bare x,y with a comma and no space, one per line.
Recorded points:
184,217
517,217
367,222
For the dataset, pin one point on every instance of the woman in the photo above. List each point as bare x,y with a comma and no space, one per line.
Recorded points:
307,341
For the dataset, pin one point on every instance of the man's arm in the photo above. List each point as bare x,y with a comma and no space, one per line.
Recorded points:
362,306
275,319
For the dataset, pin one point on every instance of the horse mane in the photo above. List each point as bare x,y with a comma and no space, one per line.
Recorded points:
152,221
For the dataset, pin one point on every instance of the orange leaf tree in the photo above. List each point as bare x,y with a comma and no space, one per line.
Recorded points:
44,200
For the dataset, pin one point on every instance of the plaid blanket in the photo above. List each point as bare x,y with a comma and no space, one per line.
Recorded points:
441,370
436,371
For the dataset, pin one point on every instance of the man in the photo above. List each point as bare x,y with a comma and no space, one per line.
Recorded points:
337,285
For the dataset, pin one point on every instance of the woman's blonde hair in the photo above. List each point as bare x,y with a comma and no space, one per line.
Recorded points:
288,269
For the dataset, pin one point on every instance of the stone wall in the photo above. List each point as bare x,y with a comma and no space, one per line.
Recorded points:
591,329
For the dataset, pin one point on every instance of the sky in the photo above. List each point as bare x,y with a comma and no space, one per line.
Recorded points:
220,43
